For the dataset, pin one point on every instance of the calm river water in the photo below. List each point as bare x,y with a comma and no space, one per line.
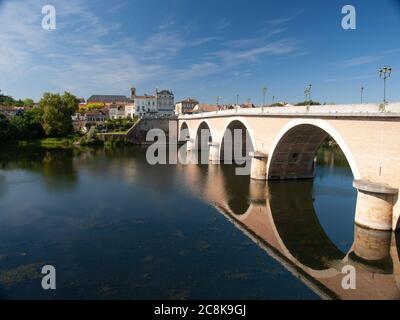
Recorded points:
115,227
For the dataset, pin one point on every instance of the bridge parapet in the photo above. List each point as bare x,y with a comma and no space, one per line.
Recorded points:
348,110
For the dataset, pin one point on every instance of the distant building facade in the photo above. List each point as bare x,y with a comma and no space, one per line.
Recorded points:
159,104
165,103
109,100
146,105
186,106
200,108
116,111
11,111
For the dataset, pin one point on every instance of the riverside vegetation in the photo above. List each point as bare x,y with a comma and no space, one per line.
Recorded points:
50,124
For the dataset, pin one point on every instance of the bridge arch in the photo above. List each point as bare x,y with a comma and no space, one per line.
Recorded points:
227,139
293,150
184,132
203,135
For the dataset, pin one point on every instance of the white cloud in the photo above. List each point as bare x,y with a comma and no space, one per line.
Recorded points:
240,55
86,56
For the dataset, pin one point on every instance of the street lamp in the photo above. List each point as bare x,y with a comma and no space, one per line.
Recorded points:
385,73
362,94
307,93
237,99
264,92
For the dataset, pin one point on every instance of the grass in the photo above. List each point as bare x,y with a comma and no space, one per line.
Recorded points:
118,132
62,142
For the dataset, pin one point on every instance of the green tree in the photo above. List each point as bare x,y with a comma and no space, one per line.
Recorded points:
28,103
27,125
306,103
57,111
4,128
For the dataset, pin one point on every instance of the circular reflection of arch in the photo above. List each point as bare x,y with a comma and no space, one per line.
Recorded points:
297,224
237,191
294,148
237,142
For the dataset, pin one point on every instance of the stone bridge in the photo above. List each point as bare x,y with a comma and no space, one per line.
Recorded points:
283,143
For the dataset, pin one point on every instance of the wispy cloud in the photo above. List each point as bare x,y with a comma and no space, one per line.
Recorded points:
251,53
223,24
85,56
201,41
358,61
350,78
280,21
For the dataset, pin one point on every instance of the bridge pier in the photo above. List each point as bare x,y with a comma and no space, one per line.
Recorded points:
214,156
259,192
190,145
375,203
372,245
258,166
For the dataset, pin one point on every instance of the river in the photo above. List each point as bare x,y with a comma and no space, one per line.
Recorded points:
115,227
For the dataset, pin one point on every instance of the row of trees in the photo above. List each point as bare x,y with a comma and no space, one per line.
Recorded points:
51,119
9,101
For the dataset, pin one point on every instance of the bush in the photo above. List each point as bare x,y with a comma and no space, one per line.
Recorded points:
119,125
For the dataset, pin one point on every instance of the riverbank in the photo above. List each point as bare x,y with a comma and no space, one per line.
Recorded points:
59,142
71,141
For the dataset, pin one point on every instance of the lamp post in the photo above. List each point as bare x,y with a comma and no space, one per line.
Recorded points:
384,73
237,99
264,92
362,94
307,93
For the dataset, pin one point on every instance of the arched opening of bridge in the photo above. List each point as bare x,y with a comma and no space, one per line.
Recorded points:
296,152
184,134
307,151
204,143
294,156
236,144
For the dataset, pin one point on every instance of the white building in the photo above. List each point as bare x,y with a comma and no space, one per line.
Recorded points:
145,105
116,112
165,103
130,110
160,104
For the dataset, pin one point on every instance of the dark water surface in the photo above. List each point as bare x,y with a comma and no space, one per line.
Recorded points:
115,227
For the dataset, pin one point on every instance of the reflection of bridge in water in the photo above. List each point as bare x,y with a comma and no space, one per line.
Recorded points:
280,218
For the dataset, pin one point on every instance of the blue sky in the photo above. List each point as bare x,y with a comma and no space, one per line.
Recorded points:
202,49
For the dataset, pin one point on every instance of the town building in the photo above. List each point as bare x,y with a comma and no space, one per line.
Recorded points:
109,100
11,111
165,103
82,122
146,105
185,106
159,104
200,108
116,111
96,117
130,110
